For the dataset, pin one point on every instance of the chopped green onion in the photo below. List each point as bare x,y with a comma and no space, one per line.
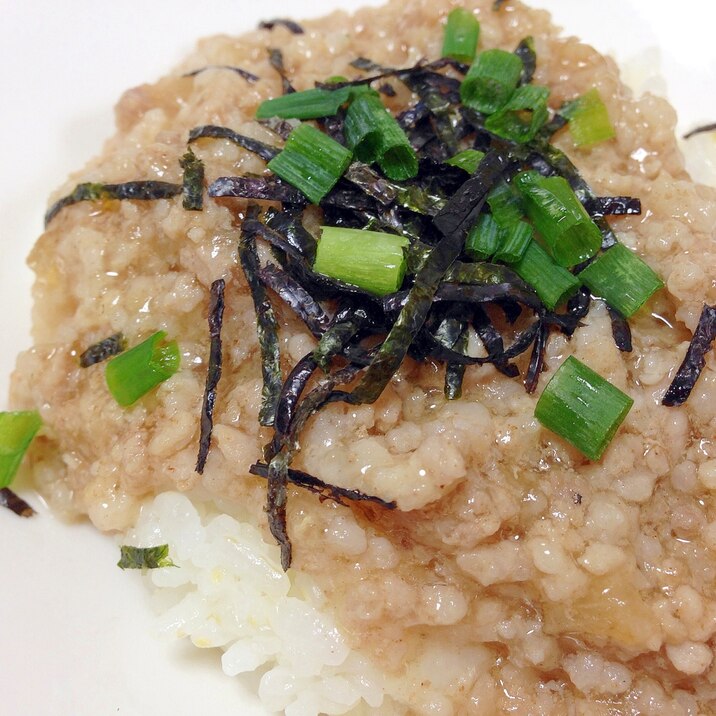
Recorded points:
311,161
491,80
523,115
371,260
514,241
582,407
505,204
588,117
375,135
483,238
16,432
622,279
553,283
468,160
132,374
560,218
309,104
461,32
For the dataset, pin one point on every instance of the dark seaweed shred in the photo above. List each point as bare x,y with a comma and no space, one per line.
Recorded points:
100,351
282,127
694,360
290,25
193,183
323,489
145,557
526,52
297,298
387,89
132,191
212,131
276,60
248,76
13,502
216,316
711,127
620,330
613,206
266,326
536,364
260,188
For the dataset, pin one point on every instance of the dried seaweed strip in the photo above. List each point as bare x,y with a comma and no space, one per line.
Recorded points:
324,489
387,89
578,304
411,117
346,324
373,184
248,76
213,131
266,328
493,342
694,360
296,235
216,316
613,206
453,222
291,391
193,181
536,365
365,64
100,351
297,298
13,502
620,330
290,25
700,130
276,60
149,190
280,126
526,52
268,188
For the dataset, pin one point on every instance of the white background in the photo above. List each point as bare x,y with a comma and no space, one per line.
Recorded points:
76,633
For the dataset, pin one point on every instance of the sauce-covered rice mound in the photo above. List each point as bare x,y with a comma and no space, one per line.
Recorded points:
515,575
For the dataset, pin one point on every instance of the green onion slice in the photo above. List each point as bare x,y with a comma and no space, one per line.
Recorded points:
483,238
559,217
144,557
523,115
311,161
622,279
588,117
375,135
514,241
461,33
505,204
309,104
468,159
17,429
132,374
371,260
582,407
491,80
553,283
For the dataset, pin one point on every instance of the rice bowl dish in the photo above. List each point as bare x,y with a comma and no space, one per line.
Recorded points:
509,554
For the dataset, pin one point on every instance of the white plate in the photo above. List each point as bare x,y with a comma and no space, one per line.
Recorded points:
76,631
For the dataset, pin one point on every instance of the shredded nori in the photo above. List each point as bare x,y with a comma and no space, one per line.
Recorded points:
526,52
387,89
145,557
266,326
290,25
193,184
276,61
260,188
613,206
536,365
213,374
620,330
248,76
132,190
325,490
711,127
100,351
694,360
265,151
13,502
